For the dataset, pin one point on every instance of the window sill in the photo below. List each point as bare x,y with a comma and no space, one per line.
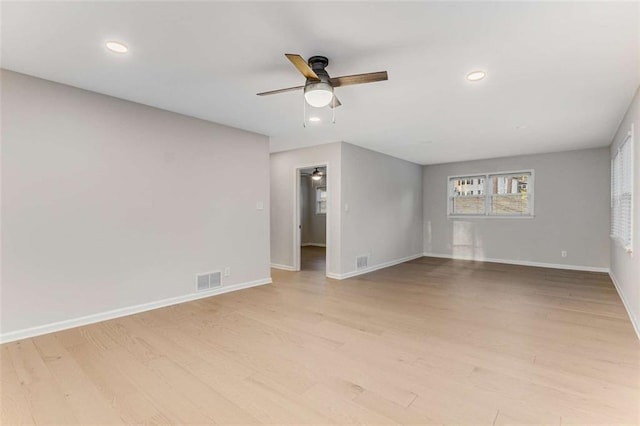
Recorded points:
618,242
462,216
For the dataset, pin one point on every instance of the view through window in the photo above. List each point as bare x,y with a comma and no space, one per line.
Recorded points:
321,200
491,194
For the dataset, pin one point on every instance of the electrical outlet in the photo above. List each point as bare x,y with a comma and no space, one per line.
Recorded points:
227,271
259,205
563,253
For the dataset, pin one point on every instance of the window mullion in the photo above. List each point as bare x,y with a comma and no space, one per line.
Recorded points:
487,202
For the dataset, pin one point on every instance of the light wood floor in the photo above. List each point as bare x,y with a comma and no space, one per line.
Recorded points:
428,341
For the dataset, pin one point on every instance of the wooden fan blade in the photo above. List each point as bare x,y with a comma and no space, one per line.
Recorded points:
275,92
359,78
302,66
335,102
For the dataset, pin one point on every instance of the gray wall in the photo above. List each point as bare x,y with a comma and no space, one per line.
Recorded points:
108,204
384,199
283,165
625,267
314,226
305,189
571,212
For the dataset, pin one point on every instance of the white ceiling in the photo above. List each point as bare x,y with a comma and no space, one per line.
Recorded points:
560,75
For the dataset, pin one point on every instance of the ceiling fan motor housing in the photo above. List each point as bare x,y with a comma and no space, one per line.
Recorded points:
318,64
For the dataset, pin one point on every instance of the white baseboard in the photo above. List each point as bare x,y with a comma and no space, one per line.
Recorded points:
313,245
372,268
521,262
632,317
122,312
283,267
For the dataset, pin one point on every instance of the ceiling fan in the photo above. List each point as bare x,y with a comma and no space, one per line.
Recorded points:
318,89
317,174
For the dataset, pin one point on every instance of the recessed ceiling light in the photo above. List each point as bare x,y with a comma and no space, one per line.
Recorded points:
476,75
314,119
116,46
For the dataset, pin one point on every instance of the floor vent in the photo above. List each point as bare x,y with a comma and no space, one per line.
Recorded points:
362,262
208,280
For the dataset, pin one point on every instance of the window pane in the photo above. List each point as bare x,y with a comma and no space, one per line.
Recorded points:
467,186
510,204
510,184
467,195
321,200
467,205
510,194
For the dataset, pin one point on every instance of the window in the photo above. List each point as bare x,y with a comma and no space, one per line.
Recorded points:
467,196
321,200
492,194
622,193
510,194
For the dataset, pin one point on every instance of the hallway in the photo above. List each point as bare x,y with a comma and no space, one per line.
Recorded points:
313,258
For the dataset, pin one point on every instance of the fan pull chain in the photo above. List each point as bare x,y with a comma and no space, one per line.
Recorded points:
333,120
304,112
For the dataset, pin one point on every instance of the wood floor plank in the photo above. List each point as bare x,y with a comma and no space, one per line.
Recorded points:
133,406
344,411
217,407
81,394
46,400
173,405
14,408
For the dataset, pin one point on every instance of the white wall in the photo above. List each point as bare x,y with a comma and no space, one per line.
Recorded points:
625,267
108,204
384,216
283,165
571,212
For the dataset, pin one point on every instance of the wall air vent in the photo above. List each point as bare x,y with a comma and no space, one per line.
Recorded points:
362,261
208,280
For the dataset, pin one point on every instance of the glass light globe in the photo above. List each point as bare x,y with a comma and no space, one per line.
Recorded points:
318,94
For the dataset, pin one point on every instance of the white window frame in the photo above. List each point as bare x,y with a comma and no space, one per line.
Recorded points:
487,200
619,239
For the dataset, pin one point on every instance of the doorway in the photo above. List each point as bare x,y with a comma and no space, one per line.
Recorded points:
312,201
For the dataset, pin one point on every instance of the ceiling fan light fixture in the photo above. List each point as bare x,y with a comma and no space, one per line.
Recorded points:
318,94
316,175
